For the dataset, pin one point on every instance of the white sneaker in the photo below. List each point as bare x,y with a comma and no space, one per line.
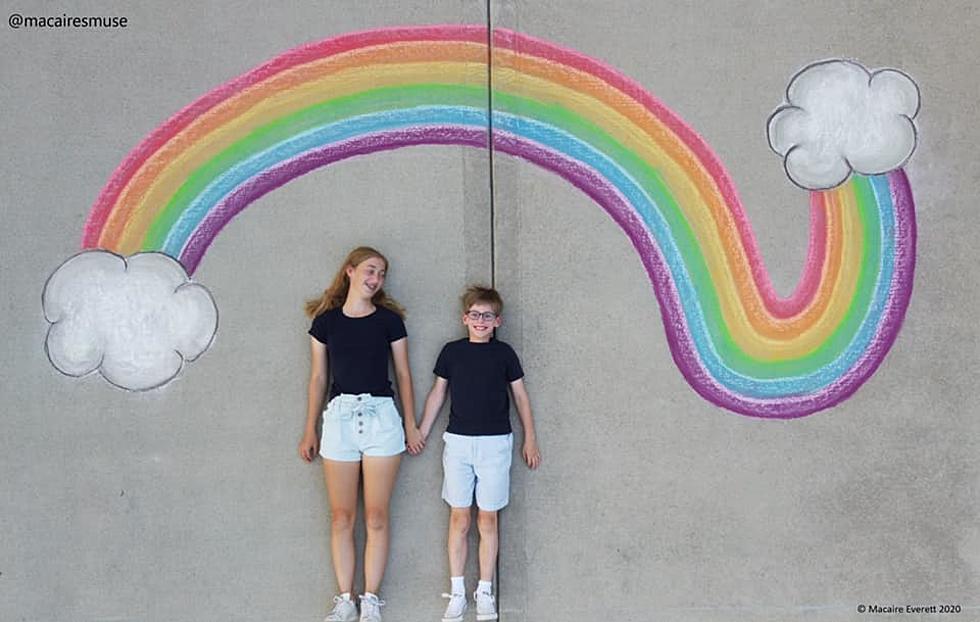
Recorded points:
486,608
456,608
344,610
371,608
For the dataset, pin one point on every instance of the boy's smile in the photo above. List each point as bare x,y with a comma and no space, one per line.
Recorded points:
480,320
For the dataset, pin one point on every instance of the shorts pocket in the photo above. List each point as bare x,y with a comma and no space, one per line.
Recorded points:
336,420
331,407
388,416
333,434
497,451
458,447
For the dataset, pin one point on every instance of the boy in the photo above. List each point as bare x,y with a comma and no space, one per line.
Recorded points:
477,371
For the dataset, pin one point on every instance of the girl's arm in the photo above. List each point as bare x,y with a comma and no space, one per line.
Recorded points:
309,446
433,404
403,376
532,455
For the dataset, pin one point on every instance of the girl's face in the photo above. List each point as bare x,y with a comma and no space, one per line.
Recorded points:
367,277
480,321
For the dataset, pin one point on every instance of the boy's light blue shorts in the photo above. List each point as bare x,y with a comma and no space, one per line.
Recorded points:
480,464
356,425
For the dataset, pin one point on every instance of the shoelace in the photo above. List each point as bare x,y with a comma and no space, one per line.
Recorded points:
375,602
337,600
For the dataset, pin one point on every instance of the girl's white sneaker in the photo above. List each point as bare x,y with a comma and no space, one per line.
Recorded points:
371,608
344,610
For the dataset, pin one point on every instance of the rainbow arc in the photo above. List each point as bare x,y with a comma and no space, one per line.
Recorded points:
736,341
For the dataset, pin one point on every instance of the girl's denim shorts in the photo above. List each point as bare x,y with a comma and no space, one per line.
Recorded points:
361,425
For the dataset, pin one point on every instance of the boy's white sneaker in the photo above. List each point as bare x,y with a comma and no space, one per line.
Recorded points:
371,608
486,608
456,608
344,610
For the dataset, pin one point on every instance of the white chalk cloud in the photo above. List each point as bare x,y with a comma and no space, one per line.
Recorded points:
136,320
839,117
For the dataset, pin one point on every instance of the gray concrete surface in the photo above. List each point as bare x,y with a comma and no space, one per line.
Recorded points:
188,503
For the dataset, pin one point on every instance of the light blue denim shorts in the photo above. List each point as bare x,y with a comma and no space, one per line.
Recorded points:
361,425
479,464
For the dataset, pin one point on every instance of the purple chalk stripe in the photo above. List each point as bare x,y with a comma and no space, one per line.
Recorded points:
613,203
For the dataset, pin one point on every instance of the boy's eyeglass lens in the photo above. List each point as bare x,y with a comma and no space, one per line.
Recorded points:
486,317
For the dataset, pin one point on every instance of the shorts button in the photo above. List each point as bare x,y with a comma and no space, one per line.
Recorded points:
358,398
359,414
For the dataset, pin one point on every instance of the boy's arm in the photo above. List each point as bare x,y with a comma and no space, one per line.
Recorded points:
433,404
532,455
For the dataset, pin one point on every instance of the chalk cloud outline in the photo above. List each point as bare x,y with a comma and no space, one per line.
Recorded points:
135,320
840,118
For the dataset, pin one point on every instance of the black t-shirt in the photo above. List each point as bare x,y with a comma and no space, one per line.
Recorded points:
478,375
358,348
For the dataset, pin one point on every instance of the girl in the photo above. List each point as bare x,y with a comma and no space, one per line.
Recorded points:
358,324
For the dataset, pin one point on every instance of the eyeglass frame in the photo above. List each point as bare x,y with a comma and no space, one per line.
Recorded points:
486,316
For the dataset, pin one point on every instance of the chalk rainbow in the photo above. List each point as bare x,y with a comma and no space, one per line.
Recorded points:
738,343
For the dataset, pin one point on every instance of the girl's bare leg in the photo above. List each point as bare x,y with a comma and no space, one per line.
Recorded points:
379,480
342,479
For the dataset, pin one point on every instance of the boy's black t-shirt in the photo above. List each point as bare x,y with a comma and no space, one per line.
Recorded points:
478,375
358,349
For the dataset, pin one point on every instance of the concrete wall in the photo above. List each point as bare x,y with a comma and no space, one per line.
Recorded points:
189,503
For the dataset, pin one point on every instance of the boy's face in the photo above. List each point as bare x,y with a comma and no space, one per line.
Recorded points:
480,321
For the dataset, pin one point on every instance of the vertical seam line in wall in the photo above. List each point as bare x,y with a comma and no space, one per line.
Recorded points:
493,227
493,222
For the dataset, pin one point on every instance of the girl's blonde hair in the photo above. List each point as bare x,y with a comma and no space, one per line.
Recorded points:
335,295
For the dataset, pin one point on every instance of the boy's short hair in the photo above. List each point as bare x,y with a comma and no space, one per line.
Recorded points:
475,294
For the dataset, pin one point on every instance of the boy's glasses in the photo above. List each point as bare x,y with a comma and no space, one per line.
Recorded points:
486,316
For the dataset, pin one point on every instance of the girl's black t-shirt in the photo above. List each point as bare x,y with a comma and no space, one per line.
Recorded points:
478,375
358,349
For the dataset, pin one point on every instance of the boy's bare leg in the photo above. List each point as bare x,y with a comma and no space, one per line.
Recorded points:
487,523
342,479
379,480
459,526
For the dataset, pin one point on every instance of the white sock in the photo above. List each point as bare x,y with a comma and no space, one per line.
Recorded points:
485,586
345,595
370,595
457,585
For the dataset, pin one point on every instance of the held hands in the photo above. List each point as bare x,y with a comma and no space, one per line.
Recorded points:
414,440
309,446
532,455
